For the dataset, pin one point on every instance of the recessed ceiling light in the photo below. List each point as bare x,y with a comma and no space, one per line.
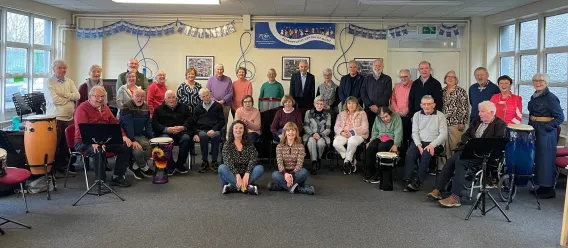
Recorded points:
411,3
211,2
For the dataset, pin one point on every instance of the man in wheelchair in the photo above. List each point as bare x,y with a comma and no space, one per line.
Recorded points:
489,126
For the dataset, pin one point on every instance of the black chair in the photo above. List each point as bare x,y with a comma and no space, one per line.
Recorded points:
360,155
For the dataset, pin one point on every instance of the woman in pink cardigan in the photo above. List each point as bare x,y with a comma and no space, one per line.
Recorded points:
509,106
250,116
351,128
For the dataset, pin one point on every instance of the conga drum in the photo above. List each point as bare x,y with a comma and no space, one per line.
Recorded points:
161,153
40,141
3,158
386,161
520,152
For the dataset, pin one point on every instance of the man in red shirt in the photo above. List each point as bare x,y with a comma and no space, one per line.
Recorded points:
95,111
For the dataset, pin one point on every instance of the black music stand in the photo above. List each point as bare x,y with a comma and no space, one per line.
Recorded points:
485,149
101,134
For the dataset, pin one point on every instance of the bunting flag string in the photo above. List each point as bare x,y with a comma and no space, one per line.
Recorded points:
378,34
155,31
449,31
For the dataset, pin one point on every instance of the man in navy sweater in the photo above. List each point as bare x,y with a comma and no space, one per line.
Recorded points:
424,85
483,90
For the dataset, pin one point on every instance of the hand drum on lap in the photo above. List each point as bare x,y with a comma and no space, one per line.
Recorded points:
40,139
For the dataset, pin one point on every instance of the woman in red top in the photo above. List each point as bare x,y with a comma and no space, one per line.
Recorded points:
509,106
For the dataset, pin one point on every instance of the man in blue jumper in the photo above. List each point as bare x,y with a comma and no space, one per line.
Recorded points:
483,90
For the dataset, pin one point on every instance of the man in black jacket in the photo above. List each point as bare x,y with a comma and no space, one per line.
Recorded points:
350,85
174,120
424,85
209,122
489,126
376,91
303,87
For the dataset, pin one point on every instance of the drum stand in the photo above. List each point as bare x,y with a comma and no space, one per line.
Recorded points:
6,220
513,187
99,182
484,192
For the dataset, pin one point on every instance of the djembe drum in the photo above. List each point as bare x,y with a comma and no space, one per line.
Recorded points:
161,153
386,161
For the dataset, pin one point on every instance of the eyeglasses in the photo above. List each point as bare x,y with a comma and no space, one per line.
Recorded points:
538,81
98,96
404,76
427,103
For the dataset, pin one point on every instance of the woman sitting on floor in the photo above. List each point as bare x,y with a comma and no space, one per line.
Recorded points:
351,128
386,137
239,172
290,158
317,128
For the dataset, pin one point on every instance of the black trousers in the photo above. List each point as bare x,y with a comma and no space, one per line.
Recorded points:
371,160
122,156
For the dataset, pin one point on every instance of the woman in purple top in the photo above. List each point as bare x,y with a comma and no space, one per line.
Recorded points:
221,88
285,115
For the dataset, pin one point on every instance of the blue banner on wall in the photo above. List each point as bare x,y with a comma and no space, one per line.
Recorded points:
286,35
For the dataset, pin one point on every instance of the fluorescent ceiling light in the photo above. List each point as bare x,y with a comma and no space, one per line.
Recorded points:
410,3
211,2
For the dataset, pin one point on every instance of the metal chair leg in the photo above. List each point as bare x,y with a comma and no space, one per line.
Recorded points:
85,170
24,196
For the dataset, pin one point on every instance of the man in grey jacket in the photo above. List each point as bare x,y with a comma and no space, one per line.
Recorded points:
376,91
429,131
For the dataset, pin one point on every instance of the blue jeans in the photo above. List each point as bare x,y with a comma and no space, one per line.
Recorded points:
254,137
300,178
276,138
227,177
204,144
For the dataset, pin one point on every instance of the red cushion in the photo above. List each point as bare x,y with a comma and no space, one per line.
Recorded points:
562,152
110,154
15,175
561,162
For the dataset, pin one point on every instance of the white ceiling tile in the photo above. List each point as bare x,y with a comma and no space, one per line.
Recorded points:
463,14
477,9
290,13
374,13
433,14
289,7
290,2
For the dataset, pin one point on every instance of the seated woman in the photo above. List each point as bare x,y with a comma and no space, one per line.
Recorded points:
240,171
290,158
386,137
250,116
351,128
509,106
125,92
317,128
285,115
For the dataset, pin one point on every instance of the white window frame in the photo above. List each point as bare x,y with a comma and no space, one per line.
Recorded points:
541,52
30,46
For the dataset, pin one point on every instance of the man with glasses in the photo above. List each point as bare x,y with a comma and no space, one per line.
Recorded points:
483,90
141,79
399,104
95,111
429,131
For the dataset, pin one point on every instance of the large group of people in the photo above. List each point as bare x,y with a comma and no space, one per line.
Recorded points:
416,120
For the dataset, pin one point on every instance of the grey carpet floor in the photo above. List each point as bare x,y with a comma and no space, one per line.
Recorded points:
190,211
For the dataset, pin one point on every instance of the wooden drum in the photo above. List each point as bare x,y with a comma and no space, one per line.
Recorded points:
40,139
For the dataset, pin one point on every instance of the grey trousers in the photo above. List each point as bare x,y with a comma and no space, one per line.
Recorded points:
141,156
316,148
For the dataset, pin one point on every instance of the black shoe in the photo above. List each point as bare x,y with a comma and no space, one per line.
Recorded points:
181,169
546,193
307,190
413,187
204,166
137,173
314,168
252,190
228,189
120,181
214,166
107,168
72,169
347,168
319,164
149,172
375,181
170,171
272,186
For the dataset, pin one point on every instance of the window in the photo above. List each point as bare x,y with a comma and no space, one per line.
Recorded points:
508,67
529,35
507,38
555,31
557,67
528,67
28,53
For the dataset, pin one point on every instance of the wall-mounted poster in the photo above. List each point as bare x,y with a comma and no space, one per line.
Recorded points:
202,64
366,65
287,35
290,66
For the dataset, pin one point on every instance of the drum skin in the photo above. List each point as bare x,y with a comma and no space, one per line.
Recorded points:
520,151
40,138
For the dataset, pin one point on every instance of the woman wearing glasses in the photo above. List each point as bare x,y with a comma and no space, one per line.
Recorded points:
455,108
250,116
545,115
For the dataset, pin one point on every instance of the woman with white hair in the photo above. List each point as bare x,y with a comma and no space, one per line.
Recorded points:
328,91
545,115
270,89
94,79
317,128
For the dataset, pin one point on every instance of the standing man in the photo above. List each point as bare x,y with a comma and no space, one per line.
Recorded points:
399,104
141,79
60,98
303,87
221,88
424,85
350,85
483,90
376,91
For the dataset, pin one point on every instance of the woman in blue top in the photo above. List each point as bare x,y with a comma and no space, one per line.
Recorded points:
546,115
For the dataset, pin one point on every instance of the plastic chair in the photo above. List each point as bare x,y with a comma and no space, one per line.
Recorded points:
14,176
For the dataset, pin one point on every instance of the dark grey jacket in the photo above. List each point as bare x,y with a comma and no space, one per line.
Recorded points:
376,92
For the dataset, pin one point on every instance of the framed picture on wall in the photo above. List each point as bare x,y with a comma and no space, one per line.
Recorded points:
366,65
290,66
203,64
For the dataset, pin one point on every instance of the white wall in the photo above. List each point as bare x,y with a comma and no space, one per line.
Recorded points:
38,8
